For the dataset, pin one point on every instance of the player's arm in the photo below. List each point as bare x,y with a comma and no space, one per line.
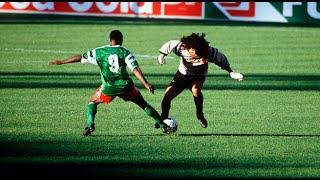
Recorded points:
218,58
134,67
72,59
166,49
85,58
138,73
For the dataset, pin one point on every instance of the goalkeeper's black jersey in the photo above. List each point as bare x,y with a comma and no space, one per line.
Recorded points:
193,68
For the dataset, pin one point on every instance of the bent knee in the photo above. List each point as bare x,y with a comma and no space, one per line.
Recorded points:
196,91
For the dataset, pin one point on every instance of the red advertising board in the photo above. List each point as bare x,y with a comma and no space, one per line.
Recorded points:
187,9
182,10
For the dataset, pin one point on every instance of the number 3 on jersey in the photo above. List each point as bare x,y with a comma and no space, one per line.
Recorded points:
113,61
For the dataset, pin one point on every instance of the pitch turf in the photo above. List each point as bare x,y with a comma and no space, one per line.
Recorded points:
268,125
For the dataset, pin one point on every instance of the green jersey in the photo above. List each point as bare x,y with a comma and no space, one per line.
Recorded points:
112,61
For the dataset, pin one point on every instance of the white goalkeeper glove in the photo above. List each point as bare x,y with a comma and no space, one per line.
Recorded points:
237,76
161,59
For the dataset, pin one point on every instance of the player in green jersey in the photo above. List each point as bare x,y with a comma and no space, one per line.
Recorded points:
112,60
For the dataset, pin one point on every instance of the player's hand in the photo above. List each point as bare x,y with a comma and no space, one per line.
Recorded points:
150,88
57,62
236,76
161,59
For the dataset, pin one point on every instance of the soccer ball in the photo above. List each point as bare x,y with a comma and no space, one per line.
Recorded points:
171,122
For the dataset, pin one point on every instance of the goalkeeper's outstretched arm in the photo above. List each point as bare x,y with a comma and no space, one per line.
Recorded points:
166,49
221,60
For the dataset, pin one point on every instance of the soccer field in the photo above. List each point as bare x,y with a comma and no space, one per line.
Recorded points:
267,125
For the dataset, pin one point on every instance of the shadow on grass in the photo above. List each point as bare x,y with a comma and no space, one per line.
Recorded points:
191,167
313,77
62,158
258,135
161,81
208,134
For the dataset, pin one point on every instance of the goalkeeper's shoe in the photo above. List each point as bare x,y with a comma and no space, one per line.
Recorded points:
88,131
203,122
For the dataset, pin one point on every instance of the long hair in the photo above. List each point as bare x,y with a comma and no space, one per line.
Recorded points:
197,42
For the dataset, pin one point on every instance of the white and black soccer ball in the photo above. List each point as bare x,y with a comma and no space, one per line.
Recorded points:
171,122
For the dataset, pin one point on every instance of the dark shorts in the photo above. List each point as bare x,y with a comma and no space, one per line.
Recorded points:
185,81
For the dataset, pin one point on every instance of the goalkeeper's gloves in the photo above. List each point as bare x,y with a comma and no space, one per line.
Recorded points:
161,59
237,76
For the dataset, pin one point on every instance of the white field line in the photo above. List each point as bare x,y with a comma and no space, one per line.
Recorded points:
68,52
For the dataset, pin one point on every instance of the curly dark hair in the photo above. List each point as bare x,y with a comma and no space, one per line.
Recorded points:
198,43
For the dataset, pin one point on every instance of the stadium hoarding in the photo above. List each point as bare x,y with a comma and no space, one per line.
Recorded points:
174,10
276,12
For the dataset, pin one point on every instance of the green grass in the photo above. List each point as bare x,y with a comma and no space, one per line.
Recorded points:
265,126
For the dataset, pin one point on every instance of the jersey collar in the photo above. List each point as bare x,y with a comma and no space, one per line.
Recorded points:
113,46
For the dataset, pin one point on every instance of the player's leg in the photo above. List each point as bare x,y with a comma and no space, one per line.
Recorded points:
96,98
195,88
176,86
91,113
170,93
136,97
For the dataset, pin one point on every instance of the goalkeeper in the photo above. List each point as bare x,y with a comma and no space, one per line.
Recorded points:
112,60
195,54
